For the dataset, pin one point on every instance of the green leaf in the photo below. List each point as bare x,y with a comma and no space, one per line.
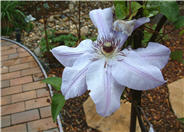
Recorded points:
135,6
58,102
151,8
54,82
177,55
121,10
181,119
181,32
46,6
179,22
170,9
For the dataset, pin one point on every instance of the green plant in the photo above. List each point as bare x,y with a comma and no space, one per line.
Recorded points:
68,40
42,43
29,27
177,55
11,16
58,100
181,119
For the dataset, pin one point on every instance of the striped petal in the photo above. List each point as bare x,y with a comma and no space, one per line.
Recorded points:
135,73
104,90
67,55
155,54
74,78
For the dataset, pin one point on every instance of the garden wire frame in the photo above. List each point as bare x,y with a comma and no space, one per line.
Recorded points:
59,117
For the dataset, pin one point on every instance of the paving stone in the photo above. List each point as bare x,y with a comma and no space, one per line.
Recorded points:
16,128
12,108
21,80
36,103
5,121
17,61
23,54
5,100
4,69
33,85
38,77
11,90
176,97
22,66
13,56
10,75
19,70
25,116
52,130
119,121
23,96
42,92
4,57
19,49
5,47
30,71
45,111
5,83
8,52
40,125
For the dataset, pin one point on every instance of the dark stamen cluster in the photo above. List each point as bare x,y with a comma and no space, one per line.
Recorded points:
108,49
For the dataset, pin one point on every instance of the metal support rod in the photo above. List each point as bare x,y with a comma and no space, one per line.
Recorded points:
133,118
79,27
136,100
46,35
158,28
18,35
141,123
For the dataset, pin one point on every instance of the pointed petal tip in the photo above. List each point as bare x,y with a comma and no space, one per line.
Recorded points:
102,19
139,22
147,19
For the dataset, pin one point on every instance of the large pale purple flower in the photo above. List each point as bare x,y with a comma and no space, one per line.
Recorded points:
104,69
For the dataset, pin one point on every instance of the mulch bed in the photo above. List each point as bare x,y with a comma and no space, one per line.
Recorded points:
155,103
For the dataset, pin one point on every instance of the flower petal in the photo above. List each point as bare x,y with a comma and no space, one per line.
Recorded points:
125,27
155,54
102,19
141,21
67,55
135,73
104,91
121,37
74,78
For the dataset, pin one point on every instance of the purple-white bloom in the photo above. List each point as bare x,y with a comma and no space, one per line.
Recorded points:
29,18
104,69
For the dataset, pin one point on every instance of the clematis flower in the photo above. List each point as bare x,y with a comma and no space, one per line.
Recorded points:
104,69
29,18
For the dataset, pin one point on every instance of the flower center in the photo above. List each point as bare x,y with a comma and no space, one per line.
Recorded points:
107,49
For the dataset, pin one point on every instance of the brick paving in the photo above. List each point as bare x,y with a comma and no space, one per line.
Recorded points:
25,105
